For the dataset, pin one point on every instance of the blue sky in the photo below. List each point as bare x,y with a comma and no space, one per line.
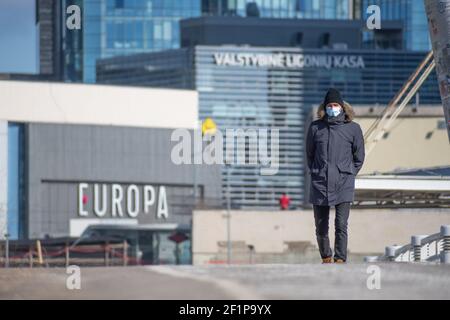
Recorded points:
18,37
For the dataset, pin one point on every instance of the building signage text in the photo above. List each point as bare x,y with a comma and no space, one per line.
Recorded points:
288,60
116,200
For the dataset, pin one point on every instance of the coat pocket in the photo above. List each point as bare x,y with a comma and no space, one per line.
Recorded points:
319,184
317,170
346,168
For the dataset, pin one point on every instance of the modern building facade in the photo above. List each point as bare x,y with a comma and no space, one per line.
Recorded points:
303,9
80,156
299,33
122,27
410,12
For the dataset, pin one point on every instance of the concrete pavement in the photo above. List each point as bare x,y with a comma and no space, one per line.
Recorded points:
306,281
103,283
315,281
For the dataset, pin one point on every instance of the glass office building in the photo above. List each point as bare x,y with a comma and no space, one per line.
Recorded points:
308,9
122,27
411,12
241,87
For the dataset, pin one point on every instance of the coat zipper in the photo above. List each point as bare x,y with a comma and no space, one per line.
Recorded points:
328,157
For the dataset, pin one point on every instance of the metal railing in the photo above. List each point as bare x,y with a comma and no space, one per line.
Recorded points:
59,252
423,248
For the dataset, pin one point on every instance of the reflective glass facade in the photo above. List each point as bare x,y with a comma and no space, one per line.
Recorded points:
72,47
411,12
237,97
16,183
246,96
122,27
153,247
311,9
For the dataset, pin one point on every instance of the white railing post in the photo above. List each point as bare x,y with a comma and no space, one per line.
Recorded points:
445,254
371,259
389,252
421,248
416,243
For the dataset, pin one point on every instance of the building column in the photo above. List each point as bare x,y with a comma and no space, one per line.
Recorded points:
439,30
3,178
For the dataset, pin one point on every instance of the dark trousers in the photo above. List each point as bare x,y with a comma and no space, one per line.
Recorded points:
321,217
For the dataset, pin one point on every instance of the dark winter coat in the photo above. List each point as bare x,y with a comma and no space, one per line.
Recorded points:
335,154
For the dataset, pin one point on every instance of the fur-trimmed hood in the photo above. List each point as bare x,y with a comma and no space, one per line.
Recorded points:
348,110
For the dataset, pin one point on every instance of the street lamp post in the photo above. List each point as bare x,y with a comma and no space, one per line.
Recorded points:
228,217
194,154
195,183
207,127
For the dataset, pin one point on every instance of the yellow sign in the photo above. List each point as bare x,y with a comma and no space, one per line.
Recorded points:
209,127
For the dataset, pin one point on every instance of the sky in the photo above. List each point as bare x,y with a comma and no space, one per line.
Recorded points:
18,37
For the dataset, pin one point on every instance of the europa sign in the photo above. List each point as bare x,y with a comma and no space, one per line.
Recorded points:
116,200
288,60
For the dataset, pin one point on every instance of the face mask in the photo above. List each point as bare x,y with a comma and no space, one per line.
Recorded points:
333,111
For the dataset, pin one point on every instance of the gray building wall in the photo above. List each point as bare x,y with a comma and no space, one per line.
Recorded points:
61,156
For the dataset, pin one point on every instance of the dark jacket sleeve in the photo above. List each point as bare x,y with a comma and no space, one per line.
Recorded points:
358,149
310,147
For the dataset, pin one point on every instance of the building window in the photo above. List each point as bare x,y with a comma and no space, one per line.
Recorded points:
16,181
119,4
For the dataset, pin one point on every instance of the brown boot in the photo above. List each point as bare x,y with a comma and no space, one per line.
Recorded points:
327,260
339,261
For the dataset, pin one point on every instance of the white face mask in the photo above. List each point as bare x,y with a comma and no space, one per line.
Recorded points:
333,111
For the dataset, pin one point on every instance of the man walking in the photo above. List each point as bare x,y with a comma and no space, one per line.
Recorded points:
335,154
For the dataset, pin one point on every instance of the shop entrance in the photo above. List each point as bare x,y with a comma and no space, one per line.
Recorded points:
154,244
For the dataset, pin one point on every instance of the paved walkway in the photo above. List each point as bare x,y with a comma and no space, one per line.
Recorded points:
307,281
